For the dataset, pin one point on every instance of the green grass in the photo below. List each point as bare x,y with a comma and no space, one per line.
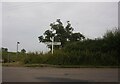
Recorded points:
15,64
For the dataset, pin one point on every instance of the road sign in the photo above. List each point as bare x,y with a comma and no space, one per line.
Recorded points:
57,43
53,43
48,43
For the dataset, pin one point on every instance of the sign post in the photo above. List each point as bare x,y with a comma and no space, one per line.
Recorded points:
53,43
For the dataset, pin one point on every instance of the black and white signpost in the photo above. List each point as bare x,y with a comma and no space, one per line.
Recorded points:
53,43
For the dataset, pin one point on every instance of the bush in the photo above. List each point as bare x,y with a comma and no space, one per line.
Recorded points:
98,52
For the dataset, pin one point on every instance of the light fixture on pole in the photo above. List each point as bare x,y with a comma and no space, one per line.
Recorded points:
17,46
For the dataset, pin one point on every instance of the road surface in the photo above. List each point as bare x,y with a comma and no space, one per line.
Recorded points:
49,74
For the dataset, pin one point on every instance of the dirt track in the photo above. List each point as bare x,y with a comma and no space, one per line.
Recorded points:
48,74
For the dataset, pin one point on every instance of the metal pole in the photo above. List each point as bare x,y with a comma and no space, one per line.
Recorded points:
17,47
17,50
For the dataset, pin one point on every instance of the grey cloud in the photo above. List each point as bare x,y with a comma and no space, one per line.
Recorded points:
25,21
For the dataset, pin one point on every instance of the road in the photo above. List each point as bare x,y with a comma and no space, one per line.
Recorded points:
49,74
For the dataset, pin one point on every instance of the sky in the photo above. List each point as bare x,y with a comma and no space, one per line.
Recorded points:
26,21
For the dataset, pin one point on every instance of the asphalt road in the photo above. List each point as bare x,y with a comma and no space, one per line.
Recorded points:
49,74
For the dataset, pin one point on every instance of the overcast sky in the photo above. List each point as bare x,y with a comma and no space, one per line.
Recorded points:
25,21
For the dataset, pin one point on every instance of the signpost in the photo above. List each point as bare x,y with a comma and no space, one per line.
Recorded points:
53,43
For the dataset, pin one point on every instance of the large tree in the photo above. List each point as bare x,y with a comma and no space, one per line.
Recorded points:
60,33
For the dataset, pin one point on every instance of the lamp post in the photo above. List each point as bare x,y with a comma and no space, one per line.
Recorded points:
17,50
17,46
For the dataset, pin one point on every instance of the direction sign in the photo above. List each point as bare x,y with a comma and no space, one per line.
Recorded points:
54,43
48,43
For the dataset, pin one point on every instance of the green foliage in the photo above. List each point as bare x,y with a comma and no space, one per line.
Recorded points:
23,51
103,51
97,52
4,49
13,57
112,39
4,53
61,34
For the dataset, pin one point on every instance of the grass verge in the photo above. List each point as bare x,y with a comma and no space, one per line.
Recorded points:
18,64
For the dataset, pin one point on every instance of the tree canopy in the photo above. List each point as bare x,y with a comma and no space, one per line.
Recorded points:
23,51
4,49
61,34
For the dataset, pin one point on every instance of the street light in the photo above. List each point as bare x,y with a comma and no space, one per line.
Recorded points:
17,46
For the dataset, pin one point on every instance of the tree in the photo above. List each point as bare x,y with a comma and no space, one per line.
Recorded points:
60,33
4,49
76,37
112,39
4,54
23,51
